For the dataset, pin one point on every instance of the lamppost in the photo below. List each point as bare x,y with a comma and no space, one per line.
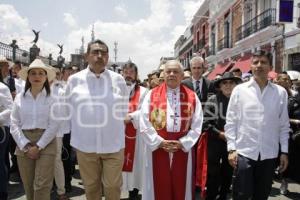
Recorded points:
50,58
14,47
114,66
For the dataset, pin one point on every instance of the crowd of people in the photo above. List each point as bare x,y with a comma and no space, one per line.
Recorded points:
174,136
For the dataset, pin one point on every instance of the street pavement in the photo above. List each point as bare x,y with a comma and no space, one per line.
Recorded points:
16,191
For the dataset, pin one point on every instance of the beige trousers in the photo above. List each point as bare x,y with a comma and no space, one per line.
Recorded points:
59,174
37,175
101,168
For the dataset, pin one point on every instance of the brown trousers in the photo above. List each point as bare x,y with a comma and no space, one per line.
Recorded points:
103,168
37,175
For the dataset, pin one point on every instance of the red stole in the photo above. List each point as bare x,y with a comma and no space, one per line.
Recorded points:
201,165
130,134
170,181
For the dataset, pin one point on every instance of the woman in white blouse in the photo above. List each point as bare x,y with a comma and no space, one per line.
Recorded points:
33,128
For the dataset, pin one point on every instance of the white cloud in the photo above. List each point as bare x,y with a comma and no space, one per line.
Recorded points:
121,10
45,24
70,20
145,41
11,21
14,26
190,7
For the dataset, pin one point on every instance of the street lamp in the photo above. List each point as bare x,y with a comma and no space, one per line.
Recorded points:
50,58
14,47
114,66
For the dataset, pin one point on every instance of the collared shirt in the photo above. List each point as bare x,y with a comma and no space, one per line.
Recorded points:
98,109
150,135
20,85
29,113
257,121
5,105
195,82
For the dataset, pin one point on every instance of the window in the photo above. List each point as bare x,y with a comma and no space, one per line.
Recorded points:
213,39
265,5
226,31
247,10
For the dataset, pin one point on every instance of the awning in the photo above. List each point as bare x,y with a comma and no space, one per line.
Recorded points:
244,64
219,69
272,75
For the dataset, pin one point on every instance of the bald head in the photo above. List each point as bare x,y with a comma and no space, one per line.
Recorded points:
173,73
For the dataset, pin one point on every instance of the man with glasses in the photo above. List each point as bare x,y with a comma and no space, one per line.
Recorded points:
171,121
97,99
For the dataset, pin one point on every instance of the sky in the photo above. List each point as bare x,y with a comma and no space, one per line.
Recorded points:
145,30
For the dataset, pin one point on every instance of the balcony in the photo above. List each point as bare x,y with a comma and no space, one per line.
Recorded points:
199,45
224,43
261,21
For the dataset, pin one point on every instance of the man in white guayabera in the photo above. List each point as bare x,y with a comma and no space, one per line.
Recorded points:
97,102
257,122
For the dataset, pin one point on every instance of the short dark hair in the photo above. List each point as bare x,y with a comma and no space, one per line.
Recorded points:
18,63
95,42
260,53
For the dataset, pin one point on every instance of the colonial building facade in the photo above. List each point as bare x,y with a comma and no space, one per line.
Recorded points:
227,32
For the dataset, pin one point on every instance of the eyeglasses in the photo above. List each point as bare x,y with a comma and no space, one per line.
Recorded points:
97,52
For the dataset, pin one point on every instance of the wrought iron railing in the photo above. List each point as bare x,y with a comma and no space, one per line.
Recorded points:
261,21
8,51
20,54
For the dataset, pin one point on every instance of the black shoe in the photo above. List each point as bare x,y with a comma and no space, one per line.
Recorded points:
3,196
134,194
68,187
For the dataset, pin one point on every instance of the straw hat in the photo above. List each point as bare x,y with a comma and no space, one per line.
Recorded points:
37,64
3,59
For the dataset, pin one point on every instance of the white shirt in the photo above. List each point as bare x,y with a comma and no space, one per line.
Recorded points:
20,85
29,113
5,105
151,137
195,83
99,106
256,121
58,89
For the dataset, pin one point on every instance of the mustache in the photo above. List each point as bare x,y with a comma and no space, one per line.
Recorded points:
129,81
